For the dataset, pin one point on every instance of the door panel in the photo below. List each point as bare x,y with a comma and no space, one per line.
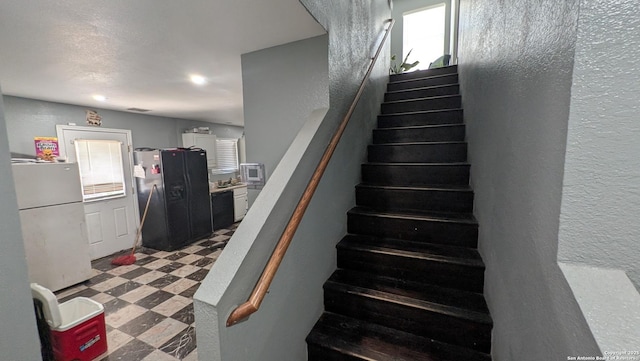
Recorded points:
122,226
111,222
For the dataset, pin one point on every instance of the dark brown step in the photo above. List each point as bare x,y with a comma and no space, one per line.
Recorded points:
445,324
426,92
424,73
429,117
421,104
451,229
423,133
441,265
428,81
399,198
418,152
415,174
461,299
337,337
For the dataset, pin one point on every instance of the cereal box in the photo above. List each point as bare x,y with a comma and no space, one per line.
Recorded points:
46,148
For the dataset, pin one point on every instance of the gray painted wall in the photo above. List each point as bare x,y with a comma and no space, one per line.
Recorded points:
18,334
281,86
516,62
400,7
294,302
601,194
28,118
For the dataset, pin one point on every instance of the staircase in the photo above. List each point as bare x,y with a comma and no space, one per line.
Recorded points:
409,281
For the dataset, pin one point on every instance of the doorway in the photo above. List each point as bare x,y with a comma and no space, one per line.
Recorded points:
424,35
104,158
427,28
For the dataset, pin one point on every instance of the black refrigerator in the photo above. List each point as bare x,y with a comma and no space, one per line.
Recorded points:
180,207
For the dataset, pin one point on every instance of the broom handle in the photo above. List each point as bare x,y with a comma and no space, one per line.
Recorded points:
144,216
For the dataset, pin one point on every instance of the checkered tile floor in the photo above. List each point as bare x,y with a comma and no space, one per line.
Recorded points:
149,305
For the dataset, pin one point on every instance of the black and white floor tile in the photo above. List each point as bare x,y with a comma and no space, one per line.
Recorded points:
149,305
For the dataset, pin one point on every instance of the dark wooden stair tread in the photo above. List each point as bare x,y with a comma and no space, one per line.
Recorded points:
401,91
430,187
409,101
408,302
416,143
421,250
423,291
416,164
419,127
362,340
465,218
449,69
422,78
420,112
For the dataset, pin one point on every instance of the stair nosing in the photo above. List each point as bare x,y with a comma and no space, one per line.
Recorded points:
422,88
426,216
417,127
400,284
422,112
423,78
422,305
438,164
438,188
459,261
435,97
419,143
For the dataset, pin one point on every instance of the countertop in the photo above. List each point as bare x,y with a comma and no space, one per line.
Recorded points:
229,188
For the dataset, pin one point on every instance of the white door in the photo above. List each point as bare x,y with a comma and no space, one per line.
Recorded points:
110,204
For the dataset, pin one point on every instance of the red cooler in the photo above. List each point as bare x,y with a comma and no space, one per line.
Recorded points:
78,330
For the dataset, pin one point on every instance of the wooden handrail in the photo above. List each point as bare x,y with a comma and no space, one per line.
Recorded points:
260,290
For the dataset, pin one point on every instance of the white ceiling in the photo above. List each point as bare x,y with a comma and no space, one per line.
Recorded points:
139,53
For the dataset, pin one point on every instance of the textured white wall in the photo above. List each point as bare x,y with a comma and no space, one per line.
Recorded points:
516,62
18,335
600,223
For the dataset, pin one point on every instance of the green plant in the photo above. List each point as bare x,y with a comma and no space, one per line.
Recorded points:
399,69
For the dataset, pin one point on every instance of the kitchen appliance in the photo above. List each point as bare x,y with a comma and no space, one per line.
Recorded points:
222,208
180,209
53,223
252,174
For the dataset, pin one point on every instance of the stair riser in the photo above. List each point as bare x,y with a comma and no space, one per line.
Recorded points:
411,120
418,153
420,200
417,321
433,272
415,175
423,93
451,233
450,102
424,73
408,135
423,83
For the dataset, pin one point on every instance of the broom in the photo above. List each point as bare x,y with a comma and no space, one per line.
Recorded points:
128,259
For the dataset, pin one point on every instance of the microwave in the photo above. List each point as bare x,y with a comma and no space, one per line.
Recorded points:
252,173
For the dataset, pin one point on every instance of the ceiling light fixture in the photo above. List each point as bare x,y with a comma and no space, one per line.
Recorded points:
100,98
198,79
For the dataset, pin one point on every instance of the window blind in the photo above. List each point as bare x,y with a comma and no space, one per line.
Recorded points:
227,154
101,169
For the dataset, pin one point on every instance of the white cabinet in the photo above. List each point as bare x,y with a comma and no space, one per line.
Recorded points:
240,203
204,141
